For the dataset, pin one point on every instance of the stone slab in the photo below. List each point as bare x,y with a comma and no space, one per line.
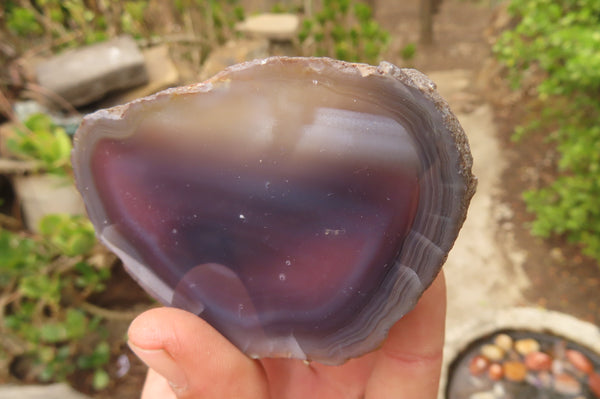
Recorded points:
270,26
162,74
86,74
53,391
41,195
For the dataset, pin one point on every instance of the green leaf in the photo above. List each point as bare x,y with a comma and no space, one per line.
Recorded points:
71,235
54,332
101,379
363,12
41,286
76,324
408,52
45,142
22,22
99,357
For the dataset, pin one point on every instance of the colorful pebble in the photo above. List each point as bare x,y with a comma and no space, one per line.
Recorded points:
579,361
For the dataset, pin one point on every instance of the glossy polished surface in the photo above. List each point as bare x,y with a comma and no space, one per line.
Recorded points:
300,206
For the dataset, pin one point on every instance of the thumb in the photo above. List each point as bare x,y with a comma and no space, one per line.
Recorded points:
195,359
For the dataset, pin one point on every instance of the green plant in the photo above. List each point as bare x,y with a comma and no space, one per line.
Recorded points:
91,21
346,30
559,41
68,23
408,52
43,141
44,284
23,22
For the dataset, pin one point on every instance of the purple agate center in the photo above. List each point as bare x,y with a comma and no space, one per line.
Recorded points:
259,243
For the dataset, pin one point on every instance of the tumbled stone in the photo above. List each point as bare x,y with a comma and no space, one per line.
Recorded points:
504,341
478,365
558,366
579,361
594,383
527,345
495,372
514,371
538,361
542,379
492,352
566,384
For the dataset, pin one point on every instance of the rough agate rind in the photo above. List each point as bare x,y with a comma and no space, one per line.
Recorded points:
299,205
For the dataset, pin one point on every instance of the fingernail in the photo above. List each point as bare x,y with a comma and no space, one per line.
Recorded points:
161,362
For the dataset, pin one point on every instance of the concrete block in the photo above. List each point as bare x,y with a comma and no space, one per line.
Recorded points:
275,27
53,391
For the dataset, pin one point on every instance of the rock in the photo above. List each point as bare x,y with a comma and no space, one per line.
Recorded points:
492,352
276,27
162,74
579,361
558,366
499,390
41,195
566,384
478,365
528,345
545,379
514,371
538,361
53,391
504,341
495,372
233,52
594,383
86,74
542,379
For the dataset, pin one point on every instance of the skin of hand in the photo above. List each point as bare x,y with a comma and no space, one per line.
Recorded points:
188,359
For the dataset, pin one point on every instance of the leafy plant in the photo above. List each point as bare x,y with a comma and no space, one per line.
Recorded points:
560,41
408,52
44,283
43,141
22,22
92,21
75,22
346,30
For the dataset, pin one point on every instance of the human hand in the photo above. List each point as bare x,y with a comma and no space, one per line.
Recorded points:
188,359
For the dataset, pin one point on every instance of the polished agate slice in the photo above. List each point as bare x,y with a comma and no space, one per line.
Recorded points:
299,205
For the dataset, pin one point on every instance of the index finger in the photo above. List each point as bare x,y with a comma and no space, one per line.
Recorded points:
409,362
